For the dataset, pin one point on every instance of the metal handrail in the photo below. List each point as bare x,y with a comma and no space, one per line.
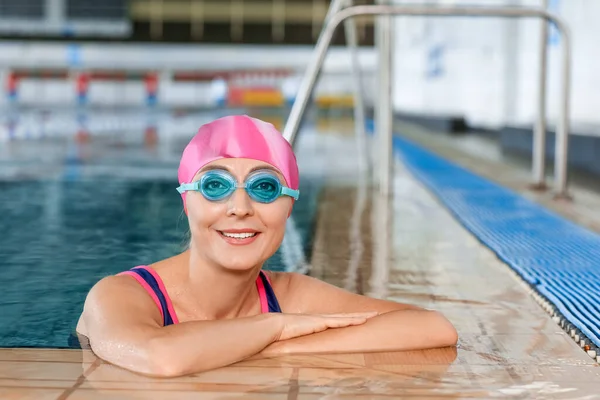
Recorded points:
562,133
357,87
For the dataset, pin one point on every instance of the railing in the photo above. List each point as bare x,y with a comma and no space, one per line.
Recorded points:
337,15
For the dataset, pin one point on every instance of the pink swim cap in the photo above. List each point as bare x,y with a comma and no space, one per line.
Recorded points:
238,136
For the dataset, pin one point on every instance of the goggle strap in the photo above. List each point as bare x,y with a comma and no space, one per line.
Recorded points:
290,192
188,186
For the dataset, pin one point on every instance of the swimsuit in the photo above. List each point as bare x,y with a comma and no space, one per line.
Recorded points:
155,287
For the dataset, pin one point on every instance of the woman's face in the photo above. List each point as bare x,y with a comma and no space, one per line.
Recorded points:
237,233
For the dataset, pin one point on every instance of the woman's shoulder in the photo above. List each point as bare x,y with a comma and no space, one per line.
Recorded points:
109,284
289,277
122,284
296,292
278,278
289,285
168,265
279,281
118,295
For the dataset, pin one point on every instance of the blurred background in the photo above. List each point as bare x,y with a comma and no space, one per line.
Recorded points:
188,53
194,53
99,97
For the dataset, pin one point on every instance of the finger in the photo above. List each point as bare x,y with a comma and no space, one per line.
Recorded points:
368,314
340,323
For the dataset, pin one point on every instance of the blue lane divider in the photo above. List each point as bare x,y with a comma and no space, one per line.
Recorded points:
558,258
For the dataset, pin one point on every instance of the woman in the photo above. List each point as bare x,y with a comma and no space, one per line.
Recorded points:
212,305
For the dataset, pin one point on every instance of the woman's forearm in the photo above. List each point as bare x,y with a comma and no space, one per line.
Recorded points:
393,331
203,345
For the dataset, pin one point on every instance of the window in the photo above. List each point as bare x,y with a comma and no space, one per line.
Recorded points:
31,9
97,9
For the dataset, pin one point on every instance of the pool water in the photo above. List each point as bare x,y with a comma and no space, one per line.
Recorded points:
77,219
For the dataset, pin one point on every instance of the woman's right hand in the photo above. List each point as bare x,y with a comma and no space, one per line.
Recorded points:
294,325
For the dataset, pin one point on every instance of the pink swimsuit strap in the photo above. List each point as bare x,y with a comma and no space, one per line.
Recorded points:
153,284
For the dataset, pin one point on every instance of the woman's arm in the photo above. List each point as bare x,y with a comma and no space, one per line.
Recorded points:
392,331
125,328
398,327
298,293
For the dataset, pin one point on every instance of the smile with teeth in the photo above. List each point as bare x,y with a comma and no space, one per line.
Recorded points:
238,235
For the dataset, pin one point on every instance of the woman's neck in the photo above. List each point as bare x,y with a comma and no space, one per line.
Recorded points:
219,293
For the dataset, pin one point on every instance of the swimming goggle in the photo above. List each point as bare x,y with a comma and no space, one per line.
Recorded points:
263,187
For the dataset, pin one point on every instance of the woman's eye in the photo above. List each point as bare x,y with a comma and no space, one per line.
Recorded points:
215,185
267,186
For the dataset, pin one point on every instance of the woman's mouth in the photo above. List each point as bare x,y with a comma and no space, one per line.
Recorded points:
239,238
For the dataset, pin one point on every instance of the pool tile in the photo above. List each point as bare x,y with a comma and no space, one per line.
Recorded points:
228,375
56,355
41,370
180,395
36,383
27,393
314,360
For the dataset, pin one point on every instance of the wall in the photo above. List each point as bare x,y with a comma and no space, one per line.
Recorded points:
486,68
334,80
164,56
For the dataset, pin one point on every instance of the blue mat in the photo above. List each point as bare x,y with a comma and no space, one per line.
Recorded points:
559,259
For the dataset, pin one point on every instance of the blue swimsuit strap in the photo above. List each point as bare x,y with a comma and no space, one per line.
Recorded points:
74,341
271,298
167,318
147,276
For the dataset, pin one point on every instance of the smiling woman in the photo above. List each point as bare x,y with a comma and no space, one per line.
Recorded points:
213,305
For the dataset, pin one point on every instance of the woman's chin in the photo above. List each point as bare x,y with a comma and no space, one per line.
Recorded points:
240,265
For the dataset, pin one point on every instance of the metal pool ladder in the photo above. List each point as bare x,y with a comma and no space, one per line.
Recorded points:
343,11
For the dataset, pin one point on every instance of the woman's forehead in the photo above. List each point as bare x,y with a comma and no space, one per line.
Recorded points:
239,167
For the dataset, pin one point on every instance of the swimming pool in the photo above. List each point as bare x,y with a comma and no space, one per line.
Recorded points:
72,213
